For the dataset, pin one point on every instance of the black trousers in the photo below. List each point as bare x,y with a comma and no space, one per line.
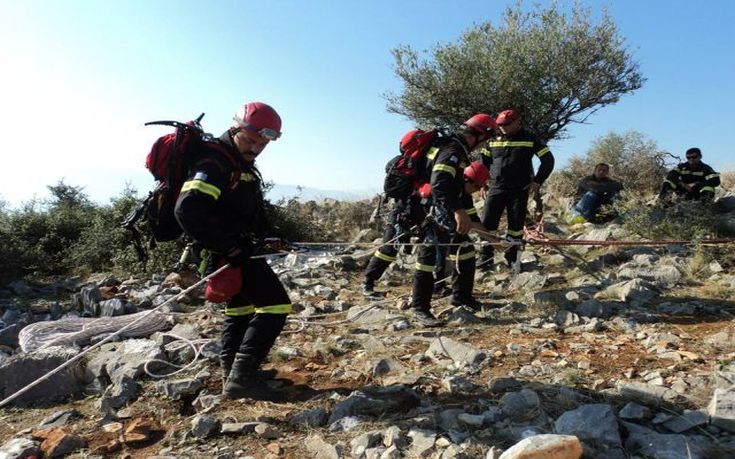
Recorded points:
428,258
515,203
667,188
255,316
405,216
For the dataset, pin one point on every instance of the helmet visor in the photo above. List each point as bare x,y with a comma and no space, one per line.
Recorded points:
266,133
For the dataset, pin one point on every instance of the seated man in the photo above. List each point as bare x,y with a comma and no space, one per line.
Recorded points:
595,191
691,180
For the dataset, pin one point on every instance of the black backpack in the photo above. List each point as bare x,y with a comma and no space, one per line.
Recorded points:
403,173
169,161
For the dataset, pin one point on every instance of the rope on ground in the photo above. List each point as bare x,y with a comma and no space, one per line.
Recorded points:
38,381
180,368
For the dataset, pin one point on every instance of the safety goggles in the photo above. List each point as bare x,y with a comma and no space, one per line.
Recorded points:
266,133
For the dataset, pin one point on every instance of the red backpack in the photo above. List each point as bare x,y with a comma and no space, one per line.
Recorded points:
169,161
403,172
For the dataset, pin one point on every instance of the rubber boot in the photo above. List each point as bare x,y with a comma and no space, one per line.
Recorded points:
245,382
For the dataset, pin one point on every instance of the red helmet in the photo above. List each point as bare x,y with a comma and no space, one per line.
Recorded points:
506,117
477,173
482,123
261,118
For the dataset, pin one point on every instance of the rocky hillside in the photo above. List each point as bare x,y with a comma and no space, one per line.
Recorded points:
606,352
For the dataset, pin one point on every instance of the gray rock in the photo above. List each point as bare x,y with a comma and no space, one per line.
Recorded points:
362,442
527,281
457,351
238,428
422,442
632,410
320,448
347,423
602,434
458,384
722,409
594,308
375,401
392,452
634,291
180,388
125,358
88,299
19,370
57,419
471,420
316,417
564,318
724,339
9,335
686,421
652,445
20,448
646,393
521,406
503,384
448,419
205,402
267,431
123,390
113,307
392,436
204,426
385,366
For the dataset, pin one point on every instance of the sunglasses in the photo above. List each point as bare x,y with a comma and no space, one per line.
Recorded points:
692,156
266,133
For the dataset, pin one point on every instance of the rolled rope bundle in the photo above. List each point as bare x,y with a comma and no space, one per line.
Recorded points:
79,331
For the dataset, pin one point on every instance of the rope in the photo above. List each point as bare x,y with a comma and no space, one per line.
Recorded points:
38,381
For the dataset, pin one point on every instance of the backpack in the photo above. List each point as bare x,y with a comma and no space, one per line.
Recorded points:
168,161
403,173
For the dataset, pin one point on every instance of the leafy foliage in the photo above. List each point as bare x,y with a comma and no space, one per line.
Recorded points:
634,159
554,69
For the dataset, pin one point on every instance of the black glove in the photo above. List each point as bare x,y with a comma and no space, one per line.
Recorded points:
239,254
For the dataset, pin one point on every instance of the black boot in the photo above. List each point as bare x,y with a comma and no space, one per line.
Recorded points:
245,382
425,318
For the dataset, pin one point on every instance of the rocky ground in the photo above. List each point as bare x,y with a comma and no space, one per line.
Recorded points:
604,352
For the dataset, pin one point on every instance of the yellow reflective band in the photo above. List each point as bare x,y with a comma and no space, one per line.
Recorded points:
707,188
240,310
511,143
692,173
247,177
444,168
202,187
431,154
384,257
711,176
463,256
471,211
677,170
486,152
542,151
514,233
670,182
424,268
275,309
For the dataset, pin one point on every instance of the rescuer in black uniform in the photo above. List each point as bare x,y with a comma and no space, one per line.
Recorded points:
692,179
510,159
220,207
450,221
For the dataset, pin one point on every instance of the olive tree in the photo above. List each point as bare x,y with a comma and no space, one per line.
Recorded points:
554,68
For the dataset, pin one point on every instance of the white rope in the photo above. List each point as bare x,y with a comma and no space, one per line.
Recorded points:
180,368
38,381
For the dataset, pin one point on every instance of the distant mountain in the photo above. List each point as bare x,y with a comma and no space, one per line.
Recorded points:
278,192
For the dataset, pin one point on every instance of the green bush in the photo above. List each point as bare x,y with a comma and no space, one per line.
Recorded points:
635,160
685,220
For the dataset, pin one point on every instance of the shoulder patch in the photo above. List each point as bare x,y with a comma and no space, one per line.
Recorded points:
201,176
453,159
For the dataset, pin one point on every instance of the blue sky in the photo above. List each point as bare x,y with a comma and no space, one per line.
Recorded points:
81,78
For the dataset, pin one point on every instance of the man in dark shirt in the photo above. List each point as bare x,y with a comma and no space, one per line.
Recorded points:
510,160
691,180
220,207
450,219
594,192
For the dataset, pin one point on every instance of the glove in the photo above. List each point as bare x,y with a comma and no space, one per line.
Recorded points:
239,254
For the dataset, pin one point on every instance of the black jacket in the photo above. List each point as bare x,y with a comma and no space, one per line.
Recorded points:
510,160
704,178
446,166
221,204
